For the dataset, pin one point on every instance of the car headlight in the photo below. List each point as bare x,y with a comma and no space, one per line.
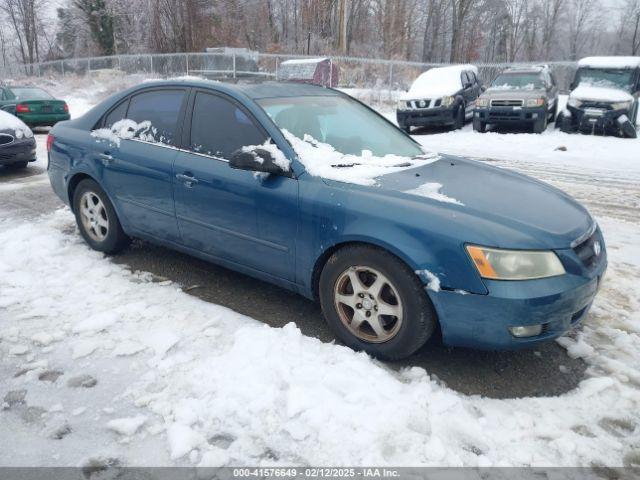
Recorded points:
574,102
402,105
499,264
482,102
621,105
447,101
535,102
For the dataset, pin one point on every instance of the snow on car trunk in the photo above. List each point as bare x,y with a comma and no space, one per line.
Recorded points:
175,380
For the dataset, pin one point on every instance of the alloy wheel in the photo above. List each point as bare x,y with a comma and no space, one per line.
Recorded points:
93,215
368,304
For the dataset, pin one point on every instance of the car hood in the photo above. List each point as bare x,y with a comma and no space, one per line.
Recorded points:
512,94
490,205
586,92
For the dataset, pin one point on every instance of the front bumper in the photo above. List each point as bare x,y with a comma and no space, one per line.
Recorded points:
18,152
444,116
42,119
498,115
595,120
558,303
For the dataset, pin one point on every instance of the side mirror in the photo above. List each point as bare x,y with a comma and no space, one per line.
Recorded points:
572,85
468,85
256,160
483,88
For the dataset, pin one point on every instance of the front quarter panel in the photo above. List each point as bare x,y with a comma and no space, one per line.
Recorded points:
332,215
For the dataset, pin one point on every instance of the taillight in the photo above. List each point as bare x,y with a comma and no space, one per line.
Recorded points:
22,108
66,108
49,142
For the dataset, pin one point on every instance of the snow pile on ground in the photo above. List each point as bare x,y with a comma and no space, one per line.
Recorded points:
322,160
175,380
433,191
11,122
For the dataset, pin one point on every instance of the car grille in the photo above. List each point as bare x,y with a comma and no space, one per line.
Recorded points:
586,251
507,103
413,104
6,139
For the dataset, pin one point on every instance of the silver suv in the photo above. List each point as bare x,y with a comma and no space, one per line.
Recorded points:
518,96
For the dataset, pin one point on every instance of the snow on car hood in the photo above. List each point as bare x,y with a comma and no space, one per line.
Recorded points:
13,123
437,82
599,94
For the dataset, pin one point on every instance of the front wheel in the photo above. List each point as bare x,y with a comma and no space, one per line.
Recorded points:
459,120
540,125
375,303
97,219
479,126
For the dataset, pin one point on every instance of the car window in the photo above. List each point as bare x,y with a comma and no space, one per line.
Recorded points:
465,79
219,127
159,107
472,77
116,114
31,93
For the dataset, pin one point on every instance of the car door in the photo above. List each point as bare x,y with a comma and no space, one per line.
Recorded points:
468,93
138,173
238,216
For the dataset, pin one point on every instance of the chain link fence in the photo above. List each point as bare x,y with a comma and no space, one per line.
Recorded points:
353,72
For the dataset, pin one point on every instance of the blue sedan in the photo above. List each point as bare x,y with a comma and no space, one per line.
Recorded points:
311,190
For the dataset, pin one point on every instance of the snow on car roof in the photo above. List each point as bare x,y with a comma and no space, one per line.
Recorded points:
439,81
610,62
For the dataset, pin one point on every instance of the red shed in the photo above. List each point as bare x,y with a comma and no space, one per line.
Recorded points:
319,71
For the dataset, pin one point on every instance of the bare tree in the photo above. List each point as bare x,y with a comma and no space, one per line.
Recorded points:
22,16
579,20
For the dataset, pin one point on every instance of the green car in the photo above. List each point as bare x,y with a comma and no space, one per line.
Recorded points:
34,106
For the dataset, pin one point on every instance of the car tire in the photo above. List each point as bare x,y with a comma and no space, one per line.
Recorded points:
479,126
554,112
19,165
406,128
384,336
97,219
539,126
459,120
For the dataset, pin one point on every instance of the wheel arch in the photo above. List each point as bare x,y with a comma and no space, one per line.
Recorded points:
73,183
322,260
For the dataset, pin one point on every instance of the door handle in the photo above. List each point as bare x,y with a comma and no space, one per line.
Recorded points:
188,180
106,159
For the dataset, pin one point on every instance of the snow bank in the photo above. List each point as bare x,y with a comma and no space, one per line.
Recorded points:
433,191
610,62
11,122
589,92
438,82
322,160
247,394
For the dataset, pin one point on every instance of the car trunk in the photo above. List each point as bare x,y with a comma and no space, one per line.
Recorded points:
44,107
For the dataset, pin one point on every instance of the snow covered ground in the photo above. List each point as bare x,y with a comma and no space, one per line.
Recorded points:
101,364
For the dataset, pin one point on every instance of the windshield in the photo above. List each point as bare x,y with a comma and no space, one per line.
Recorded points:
520,81
347,126
609,78
30,93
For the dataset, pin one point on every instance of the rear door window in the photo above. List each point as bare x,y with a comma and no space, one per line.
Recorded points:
116,114
161,108
219,127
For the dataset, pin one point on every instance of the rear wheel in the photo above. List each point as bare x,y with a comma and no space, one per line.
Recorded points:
406,128
375,303
97,219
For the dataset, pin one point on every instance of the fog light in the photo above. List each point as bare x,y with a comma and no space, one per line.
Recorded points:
526,331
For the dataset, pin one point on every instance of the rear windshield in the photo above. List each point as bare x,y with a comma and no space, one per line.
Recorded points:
30,93
519,81
609,78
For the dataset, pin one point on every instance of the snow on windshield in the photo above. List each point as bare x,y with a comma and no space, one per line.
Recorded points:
11,122
322,160
585,91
